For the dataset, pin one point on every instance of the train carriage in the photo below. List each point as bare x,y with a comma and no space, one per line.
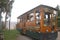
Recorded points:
39,23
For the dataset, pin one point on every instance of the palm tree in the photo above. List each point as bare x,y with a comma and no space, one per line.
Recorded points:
5,7
8,11
2,9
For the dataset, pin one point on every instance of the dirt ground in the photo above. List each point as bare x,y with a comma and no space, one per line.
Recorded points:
58,36
22,37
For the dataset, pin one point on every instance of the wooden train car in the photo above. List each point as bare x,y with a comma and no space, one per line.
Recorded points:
39,23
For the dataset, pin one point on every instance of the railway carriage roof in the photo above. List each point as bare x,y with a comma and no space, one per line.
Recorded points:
36,8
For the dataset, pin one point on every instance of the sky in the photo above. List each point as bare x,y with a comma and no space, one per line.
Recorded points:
22,6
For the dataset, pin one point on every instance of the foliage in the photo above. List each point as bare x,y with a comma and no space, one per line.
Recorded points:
58,15
5,7
10,35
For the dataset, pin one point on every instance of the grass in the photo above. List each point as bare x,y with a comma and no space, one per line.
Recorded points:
10,35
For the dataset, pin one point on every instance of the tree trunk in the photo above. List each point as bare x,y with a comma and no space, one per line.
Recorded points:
5,20
0,22
9,23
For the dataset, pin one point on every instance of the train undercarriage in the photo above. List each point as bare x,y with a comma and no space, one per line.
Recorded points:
40,36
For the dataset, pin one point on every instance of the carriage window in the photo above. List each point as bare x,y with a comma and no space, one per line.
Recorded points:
18,20
28,17
37,17
47,17
31,16
54,17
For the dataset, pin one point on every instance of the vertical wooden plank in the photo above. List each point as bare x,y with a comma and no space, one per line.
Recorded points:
42,18
26,20
51,18
26,17
56,23
35,17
